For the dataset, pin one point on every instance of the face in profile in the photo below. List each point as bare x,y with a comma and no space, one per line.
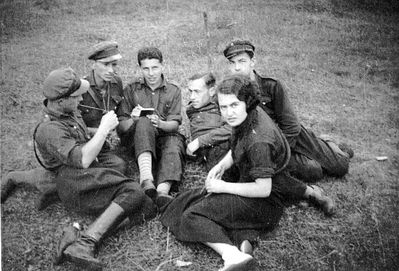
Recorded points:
241,64
152,70
70,104
200,95
105,70
232,109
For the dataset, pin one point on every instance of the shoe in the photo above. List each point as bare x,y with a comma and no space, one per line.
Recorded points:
82,252
345,148
47,198
247,264
8,184
149,188
162,200
322,201
69,235
247,247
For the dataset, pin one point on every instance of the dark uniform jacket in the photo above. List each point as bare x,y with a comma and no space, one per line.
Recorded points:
207,124
275,102
166,99
107,99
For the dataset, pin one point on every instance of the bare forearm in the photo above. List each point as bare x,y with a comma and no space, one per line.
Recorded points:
92,148
261,188
227,160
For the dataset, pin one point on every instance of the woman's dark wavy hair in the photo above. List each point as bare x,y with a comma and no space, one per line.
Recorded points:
241,86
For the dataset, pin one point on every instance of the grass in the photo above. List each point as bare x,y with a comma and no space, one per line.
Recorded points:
338,59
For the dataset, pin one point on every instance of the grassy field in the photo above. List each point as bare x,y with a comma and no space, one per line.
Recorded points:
338,59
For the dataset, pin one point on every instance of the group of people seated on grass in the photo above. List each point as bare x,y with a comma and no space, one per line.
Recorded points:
258,156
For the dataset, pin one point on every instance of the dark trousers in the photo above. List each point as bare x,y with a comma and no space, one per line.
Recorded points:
167,149
312,157
110,160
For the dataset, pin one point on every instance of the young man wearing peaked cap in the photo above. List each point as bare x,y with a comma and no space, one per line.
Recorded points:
84,184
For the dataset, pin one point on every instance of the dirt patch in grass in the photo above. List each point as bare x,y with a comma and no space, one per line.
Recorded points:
339,64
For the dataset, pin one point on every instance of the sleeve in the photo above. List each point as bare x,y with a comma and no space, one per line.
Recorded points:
285,116
215,136
127,103
260,160
56,139
175,108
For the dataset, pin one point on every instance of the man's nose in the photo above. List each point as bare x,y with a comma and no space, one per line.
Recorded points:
237,67
229,111
150,72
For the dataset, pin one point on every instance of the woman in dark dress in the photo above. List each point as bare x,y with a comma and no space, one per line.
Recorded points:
232,212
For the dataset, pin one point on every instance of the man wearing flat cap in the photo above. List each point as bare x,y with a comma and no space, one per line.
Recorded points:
105,92
311,156
84,184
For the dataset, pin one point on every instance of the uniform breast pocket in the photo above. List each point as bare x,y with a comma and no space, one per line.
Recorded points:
166,106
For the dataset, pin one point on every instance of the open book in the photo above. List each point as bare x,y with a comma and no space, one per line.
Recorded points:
144,112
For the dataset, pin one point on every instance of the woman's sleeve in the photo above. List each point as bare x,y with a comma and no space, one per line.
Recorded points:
260,159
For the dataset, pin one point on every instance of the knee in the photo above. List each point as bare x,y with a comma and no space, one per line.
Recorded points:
312,171
130,197
120,165
143,123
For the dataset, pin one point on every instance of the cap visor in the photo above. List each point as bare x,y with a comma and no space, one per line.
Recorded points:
84,87
110,58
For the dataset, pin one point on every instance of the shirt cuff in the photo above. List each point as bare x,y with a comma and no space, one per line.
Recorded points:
261,172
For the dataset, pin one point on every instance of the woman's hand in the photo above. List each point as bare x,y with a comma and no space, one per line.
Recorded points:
216,172
215,185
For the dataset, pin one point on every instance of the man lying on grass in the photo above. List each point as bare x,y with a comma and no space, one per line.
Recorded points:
210,135
84,183
311,156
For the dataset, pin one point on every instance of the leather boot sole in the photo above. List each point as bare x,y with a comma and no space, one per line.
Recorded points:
90,264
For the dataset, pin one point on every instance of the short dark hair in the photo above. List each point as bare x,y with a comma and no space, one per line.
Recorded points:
209,78
149,53
241,86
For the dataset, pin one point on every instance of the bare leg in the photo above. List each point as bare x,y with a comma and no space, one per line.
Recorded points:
233,258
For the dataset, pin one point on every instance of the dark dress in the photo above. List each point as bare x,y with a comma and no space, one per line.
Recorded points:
259,150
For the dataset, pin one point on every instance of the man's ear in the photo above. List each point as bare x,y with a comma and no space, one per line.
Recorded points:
212,91
253,62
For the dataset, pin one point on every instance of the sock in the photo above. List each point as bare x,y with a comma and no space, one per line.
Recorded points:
164,188
145,166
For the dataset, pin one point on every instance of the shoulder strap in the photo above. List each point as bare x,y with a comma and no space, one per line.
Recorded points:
95,98
35,150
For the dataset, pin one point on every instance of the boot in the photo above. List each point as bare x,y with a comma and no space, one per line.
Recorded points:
149,188
82,252
46,198
322,201
69,235
7,186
